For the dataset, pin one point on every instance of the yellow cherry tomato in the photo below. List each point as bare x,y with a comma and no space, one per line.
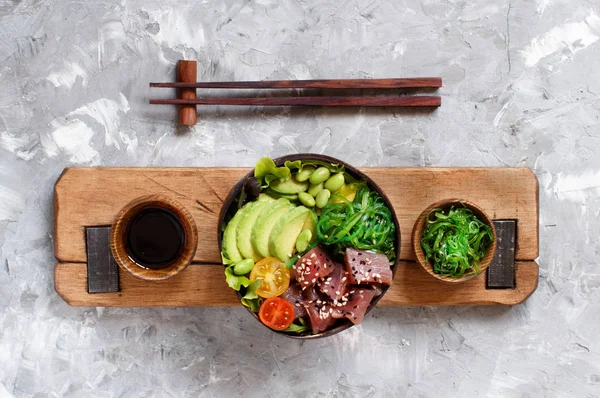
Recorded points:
275,277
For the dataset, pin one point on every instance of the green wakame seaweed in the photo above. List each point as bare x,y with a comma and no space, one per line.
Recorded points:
455,240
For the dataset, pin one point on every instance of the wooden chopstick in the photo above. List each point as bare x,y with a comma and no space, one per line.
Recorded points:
419,82
412,101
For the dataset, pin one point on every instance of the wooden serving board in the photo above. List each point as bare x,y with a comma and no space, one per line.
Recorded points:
93,196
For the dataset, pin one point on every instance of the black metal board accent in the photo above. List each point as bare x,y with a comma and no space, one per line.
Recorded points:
102,270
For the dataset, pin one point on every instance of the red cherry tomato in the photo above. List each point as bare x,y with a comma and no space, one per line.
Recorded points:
276,313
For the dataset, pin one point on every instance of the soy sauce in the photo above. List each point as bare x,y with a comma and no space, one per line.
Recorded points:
155,238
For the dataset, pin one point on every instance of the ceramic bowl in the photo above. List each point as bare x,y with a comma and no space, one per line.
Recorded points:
235,195
118,237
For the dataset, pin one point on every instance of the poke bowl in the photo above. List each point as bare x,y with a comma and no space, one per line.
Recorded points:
309,243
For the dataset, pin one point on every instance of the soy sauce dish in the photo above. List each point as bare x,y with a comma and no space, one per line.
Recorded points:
309,243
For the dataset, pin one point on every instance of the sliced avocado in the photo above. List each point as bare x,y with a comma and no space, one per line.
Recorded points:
230,253
265,197
282,240
275,194
244,230
289,186
311,224
264,225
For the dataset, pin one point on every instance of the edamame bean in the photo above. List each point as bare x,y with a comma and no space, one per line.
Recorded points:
243,267
319,175
314,190
306,199
335,182
305,173
303,240
323,198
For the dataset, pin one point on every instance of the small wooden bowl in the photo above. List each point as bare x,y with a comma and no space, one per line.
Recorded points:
118,238
420,226
231,204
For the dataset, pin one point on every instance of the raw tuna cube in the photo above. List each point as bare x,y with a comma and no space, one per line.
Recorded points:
313,265
354,309
367,267
294,295
320,316
334,285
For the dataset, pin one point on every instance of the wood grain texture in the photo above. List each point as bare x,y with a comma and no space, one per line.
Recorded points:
404,101
204,285
414,82
187,72
94,196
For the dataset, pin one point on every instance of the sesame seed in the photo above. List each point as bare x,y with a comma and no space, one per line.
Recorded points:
361,291
314,280
337,292
344,279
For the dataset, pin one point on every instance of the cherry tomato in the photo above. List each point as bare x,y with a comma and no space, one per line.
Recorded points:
276,313
274,274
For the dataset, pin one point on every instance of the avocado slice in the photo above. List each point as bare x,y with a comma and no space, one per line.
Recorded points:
289,186
311,224
244,230
230,253
265,223
282,240
264,197
276,194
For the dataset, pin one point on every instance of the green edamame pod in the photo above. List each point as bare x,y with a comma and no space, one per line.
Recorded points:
319,175
335,182
303,240
243,267
323,198
314,190
305,173
306,199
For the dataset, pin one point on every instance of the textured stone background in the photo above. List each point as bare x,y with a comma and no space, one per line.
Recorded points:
522,84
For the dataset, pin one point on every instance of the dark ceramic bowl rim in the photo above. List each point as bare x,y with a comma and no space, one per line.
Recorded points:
236,190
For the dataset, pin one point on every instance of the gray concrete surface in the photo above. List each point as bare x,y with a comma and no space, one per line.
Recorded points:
522,84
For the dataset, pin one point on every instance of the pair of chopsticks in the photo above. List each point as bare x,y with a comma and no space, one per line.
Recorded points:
187,100
421,100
